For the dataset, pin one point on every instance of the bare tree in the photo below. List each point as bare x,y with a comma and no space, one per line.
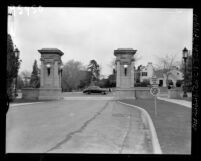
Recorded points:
166,63
26,75
73,73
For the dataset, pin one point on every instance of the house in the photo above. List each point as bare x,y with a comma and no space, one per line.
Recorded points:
146,72
173,76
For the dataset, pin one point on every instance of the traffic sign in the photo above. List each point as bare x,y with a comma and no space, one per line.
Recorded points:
154,81
155,84
154,91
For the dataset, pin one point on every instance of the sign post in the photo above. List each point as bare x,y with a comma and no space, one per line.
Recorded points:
155,105
154,91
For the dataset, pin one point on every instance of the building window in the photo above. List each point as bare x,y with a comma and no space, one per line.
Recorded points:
144,73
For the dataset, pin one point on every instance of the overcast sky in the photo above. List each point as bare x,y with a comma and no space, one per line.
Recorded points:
84,34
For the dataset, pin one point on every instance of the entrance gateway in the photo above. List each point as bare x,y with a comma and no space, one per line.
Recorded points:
125,73
50,73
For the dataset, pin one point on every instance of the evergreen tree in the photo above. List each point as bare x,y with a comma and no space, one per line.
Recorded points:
94,70
35,80
13,64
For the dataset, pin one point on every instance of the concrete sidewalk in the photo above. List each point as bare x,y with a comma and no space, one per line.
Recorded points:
177,101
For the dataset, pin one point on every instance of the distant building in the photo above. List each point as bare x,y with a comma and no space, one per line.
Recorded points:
146,72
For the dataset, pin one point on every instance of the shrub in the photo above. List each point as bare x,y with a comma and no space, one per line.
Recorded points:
170,82
145,83
179,83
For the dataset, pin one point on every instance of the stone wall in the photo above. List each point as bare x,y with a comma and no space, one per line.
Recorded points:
135,93
30,93
175,93
143,93
124,93
50,94
41,93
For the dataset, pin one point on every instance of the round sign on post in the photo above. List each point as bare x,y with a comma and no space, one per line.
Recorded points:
154,91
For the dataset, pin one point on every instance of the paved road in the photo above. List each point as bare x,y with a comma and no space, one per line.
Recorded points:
76,126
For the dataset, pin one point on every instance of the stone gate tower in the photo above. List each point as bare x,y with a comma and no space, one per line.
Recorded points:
50,73
125,72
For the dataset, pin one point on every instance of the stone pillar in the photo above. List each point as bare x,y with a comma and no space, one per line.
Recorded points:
50,84
56,75
132,73
118,74
42,74
125,82
59,83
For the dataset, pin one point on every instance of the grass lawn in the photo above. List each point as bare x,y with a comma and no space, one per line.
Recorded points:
172,124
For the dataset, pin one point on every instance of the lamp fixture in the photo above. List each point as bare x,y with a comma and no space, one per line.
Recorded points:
61,67
125,65
185,53
17,52
48,65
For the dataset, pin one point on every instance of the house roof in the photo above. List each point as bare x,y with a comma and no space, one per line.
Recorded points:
159,73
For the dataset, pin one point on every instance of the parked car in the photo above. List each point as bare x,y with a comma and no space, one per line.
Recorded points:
94,89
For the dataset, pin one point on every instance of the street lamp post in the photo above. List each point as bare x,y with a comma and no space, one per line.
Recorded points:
185,55
17,52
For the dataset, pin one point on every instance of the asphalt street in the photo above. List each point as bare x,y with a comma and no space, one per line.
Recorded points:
76,125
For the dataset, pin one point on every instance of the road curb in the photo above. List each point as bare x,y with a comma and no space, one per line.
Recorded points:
148,122
22,104
182,103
